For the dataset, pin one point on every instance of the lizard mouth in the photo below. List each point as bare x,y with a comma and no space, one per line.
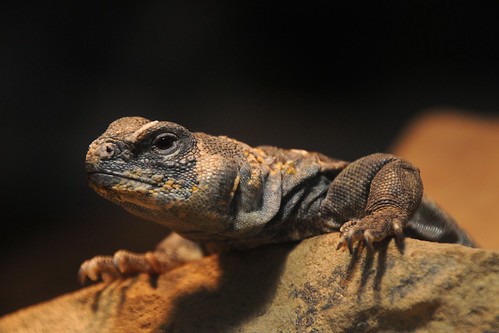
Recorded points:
110,178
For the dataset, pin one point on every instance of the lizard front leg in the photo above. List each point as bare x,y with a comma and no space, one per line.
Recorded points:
373,198
169,253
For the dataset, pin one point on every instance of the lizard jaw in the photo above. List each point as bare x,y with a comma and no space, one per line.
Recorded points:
103,178
120,188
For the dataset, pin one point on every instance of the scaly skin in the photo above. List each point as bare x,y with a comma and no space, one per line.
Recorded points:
219,193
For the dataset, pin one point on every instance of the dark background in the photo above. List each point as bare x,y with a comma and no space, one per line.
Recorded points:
342,78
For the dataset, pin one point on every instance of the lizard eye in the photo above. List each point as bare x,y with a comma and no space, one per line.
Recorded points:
165,143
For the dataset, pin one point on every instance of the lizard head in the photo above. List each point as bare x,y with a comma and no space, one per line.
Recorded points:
150,169
201,186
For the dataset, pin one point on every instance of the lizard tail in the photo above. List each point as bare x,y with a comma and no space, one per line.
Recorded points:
431,223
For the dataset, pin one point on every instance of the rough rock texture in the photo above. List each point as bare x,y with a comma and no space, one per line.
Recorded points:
308,287
458,155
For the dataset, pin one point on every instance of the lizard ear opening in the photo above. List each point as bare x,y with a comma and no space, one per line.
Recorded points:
165,143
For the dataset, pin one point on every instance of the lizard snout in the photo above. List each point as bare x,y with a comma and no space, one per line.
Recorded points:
100,151
106,150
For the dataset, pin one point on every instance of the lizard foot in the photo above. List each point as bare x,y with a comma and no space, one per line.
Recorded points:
170,253
372,228
123,263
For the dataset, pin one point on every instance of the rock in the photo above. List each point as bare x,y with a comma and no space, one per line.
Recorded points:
307,287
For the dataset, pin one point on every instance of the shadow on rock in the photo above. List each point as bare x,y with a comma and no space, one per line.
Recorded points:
249,280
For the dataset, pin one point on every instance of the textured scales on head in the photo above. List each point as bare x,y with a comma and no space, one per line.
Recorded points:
145,166
125,125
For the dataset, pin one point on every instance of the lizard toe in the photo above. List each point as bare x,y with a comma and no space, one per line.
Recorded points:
342,243
349,236
97,267
371,229
398,231
129,262
368,240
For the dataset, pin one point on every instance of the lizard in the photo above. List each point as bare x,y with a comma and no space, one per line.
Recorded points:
219,194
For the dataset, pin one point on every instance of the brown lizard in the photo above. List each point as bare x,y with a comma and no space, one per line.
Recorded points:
218,193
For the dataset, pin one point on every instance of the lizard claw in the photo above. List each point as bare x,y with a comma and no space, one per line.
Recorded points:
110,268
346,241
129,262
342,243
350,245
100,266
397,231
370,229
350,234
125,263
368,240
82,274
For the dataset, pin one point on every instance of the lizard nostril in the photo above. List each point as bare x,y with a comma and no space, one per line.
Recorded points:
106,150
